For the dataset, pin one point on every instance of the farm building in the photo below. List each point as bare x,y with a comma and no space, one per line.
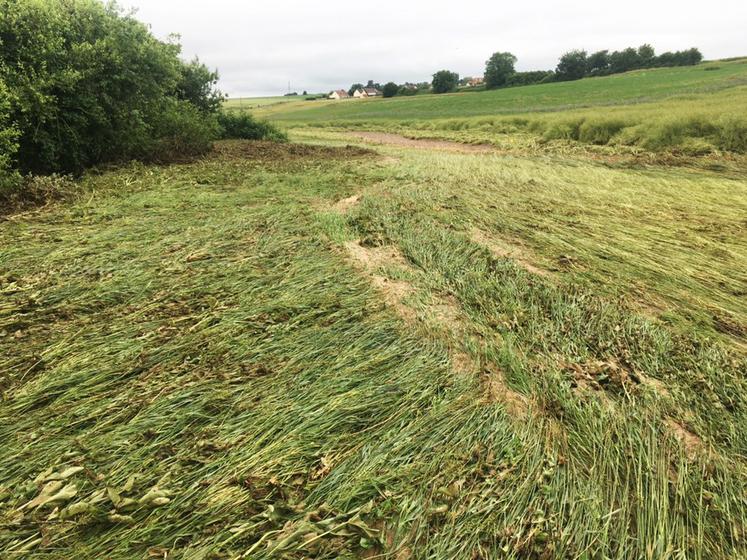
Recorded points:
474,82
367,92
339,94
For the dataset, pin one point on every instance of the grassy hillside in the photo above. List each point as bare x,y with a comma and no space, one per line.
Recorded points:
260,102
638,86
297,351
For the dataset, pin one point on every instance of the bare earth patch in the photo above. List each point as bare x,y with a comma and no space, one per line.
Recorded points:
369,259
346,204
447,312
423,143
690,441
497,390
505,250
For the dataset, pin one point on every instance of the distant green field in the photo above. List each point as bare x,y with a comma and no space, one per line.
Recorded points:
696,110
637,86
261,102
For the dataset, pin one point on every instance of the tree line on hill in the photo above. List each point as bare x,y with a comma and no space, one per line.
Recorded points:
500,69
84,83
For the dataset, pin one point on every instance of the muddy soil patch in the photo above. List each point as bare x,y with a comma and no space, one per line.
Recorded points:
344,205
369,260
691,443
497,390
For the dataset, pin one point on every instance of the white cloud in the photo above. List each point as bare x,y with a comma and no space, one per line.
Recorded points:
260,45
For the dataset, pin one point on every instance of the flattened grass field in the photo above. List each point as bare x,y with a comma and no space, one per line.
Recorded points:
393,338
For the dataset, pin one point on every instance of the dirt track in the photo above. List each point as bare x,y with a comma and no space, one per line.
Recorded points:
425,143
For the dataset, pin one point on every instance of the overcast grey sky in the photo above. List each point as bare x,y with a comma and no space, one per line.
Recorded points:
319,45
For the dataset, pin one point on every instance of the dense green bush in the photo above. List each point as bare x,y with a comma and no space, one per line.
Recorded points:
183,132
243,125
8,146
197,85
85,83
529,78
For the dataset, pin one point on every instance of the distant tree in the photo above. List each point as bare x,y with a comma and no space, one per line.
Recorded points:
646,55
598,63
572,66
305,92
354,88
498,69
693,57
390,89
444,81
372,84
622,61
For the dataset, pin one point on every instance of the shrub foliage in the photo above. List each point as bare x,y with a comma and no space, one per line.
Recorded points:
84,83
244,126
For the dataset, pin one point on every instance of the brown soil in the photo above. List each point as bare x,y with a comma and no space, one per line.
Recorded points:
517,405
504,249
447,312
690,441
346,204
373,257
369,259
424,143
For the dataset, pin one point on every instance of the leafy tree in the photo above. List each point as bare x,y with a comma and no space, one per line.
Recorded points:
646,55
444,81
598,63
572,66
692,57
354,88
623,61
390,89
498,69
197,86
